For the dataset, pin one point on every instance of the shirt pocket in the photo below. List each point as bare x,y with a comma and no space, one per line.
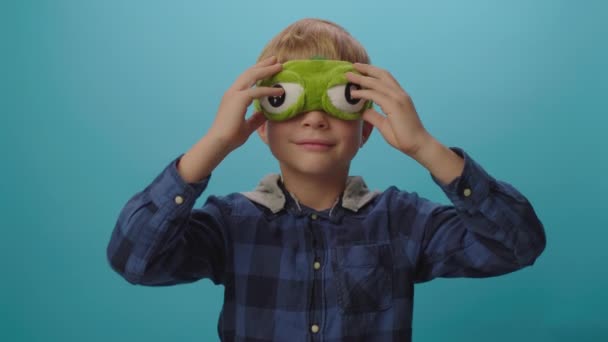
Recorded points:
363,277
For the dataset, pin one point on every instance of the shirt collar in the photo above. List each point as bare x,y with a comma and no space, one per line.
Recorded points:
269,194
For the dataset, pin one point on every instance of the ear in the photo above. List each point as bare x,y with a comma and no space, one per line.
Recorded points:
262,132
366,131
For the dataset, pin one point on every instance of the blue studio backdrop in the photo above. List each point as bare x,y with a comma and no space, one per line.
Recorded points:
96,97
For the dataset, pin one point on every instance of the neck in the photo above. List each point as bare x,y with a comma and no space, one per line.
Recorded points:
317,192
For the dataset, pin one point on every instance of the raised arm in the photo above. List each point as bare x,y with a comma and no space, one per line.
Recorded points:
158,238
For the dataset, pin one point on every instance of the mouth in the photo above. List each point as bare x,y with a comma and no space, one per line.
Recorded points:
315,144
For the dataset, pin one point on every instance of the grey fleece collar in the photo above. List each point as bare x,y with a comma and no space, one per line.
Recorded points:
269,194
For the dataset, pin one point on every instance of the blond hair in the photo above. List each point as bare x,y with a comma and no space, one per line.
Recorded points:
315,38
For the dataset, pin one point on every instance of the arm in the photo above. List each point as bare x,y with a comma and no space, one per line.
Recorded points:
491,229
230,129
159,239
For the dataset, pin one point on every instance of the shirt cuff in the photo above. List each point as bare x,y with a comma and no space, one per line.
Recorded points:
471,188
169,186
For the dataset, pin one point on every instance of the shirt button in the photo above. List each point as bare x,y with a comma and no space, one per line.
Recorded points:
313,216
467,192
317,265
314,328
179,199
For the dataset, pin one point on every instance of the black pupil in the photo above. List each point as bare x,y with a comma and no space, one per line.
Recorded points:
347,89
277,101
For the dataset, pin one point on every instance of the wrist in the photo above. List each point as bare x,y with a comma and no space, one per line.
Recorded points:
440,161
425,146
220,144
202,158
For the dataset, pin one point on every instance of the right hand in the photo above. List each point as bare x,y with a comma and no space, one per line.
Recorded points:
230,126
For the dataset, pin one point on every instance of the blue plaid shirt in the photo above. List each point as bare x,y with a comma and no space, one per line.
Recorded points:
344,274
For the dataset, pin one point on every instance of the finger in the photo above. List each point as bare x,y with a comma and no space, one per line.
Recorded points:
267,61
369,83
376,72
252,75
258,92
255,121
377,97
370,70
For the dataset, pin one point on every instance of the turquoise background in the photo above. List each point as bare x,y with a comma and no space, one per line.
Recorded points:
96,97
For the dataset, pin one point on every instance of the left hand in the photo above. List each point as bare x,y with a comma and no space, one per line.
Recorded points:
401,127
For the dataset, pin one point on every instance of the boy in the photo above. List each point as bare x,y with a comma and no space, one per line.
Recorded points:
312,254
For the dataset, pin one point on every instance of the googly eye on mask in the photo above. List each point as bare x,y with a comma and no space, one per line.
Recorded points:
315,84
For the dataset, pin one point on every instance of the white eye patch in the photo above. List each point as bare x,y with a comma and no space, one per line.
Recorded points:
340,97
279,104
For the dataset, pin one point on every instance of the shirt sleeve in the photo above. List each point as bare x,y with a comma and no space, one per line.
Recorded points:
491,228
159,240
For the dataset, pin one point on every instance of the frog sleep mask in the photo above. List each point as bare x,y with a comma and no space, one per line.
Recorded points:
315,84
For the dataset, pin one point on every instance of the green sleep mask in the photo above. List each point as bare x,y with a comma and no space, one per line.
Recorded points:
315,84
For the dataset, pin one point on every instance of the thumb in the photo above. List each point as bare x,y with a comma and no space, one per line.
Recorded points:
381,123
374,118
255,121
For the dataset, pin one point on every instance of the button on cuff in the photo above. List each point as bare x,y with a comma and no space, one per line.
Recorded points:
168,184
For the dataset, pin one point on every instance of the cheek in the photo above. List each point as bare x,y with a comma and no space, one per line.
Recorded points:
353,131
276,134
272,131
351,136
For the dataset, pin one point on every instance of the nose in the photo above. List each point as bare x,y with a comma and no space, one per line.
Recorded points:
315,119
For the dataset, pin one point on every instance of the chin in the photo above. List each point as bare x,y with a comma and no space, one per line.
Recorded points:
318,169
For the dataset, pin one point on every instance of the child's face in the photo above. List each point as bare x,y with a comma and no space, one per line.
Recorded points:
315,143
